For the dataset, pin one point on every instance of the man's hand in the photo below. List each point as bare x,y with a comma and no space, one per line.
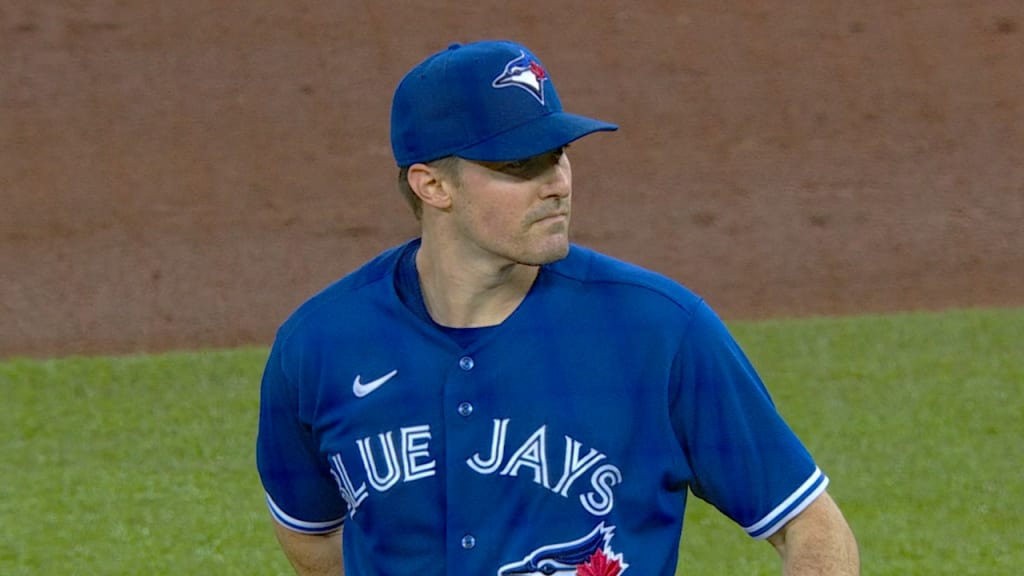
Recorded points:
817,542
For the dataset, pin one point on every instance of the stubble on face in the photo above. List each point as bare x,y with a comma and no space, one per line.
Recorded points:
539,188
549,224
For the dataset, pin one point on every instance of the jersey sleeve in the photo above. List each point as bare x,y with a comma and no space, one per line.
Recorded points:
300,491
745,459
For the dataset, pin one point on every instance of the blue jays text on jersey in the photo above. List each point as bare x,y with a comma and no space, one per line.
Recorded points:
384,465
598,404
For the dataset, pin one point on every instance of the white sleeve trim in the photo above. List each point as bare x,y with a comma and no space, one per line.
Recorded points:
303,526
800,499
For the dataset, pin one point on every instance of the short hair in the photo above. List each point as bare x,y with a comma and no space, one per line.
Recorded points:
449,166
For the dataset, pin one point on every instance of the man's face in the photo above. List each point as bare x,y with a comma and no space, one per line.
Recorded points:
518,211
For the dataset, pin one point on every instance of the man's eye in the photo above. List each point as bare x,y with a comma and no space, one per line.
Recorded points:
528,167
516,166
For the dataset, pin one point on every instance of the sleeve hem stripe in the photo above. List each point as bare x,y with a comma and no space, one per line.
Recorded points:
303,526
790,507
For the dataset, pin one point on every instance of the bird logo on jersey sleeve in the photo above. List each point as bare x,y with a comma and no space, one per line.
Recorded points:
591,555
526,73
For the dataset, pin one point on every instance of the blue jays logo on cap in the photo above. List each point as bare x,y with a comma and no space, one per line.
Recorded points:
463,101
591,555
526,73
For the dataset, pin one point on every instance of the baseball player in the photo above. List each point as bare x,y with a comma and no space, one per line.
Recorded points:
490,399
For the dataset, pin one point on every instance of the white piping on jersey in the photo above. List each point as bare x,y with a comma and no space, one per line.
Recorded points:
775,519
303,526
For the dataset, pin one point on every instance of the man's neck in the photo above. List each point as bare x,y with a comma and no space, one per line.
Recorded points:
466,293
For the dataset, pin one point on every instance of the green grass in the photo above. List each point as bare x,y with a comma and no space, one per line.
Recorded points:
139,465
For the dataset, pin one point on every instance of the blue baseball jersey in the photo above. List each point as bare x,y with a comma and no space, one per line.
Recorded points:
563,441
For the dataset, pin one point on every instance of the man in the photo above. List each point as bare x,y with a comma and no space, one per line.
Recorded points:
489,399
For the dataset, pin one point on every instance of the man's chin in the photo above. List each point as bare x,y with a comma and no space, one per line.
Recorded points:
548,255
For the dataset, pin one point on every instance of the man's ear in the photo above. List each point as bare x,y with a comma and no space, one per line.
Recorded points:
430,184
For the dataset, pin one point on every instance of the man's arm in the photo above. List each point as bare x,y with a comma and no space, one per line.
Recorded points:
312,554
818,541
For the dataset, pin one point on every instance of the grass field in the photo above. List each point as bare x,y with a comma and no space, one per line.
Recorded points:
144,465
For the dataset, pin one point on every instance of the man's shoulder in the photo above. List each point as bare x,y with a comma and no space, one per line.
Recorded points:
374,280
594,269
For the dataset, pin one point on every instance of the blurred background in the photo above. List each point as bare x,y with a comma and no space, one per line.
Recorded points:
181,175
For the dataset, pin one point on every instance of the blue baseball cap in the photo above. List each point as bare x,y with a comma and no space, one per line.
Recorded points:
490,101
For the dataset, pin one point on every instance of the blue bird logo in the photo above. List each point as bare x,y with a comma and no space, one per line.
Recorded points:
526,73
567,558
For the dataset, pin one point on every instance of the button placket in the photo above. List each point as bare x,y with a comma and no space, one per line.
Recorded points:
465,408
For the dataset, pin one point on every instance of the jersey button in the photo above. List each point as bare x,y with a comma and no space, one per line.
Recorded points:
465,409
466,363
468,542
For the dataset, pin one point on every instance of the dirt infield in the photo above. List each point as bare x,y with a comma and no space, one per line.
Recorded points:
182,175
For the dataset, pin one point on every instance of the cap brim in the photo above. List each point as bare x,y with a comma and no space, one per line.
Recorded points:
535,137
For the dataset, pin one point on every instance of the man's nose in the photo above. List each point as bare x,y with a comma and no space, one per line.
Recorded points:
556,181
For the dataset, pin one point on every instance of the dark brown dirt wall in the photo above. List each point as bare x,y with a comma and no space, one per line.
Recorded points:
182,175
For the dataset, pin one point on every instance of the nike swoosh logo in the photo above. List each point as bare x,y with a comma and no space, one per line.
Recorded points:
361,389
